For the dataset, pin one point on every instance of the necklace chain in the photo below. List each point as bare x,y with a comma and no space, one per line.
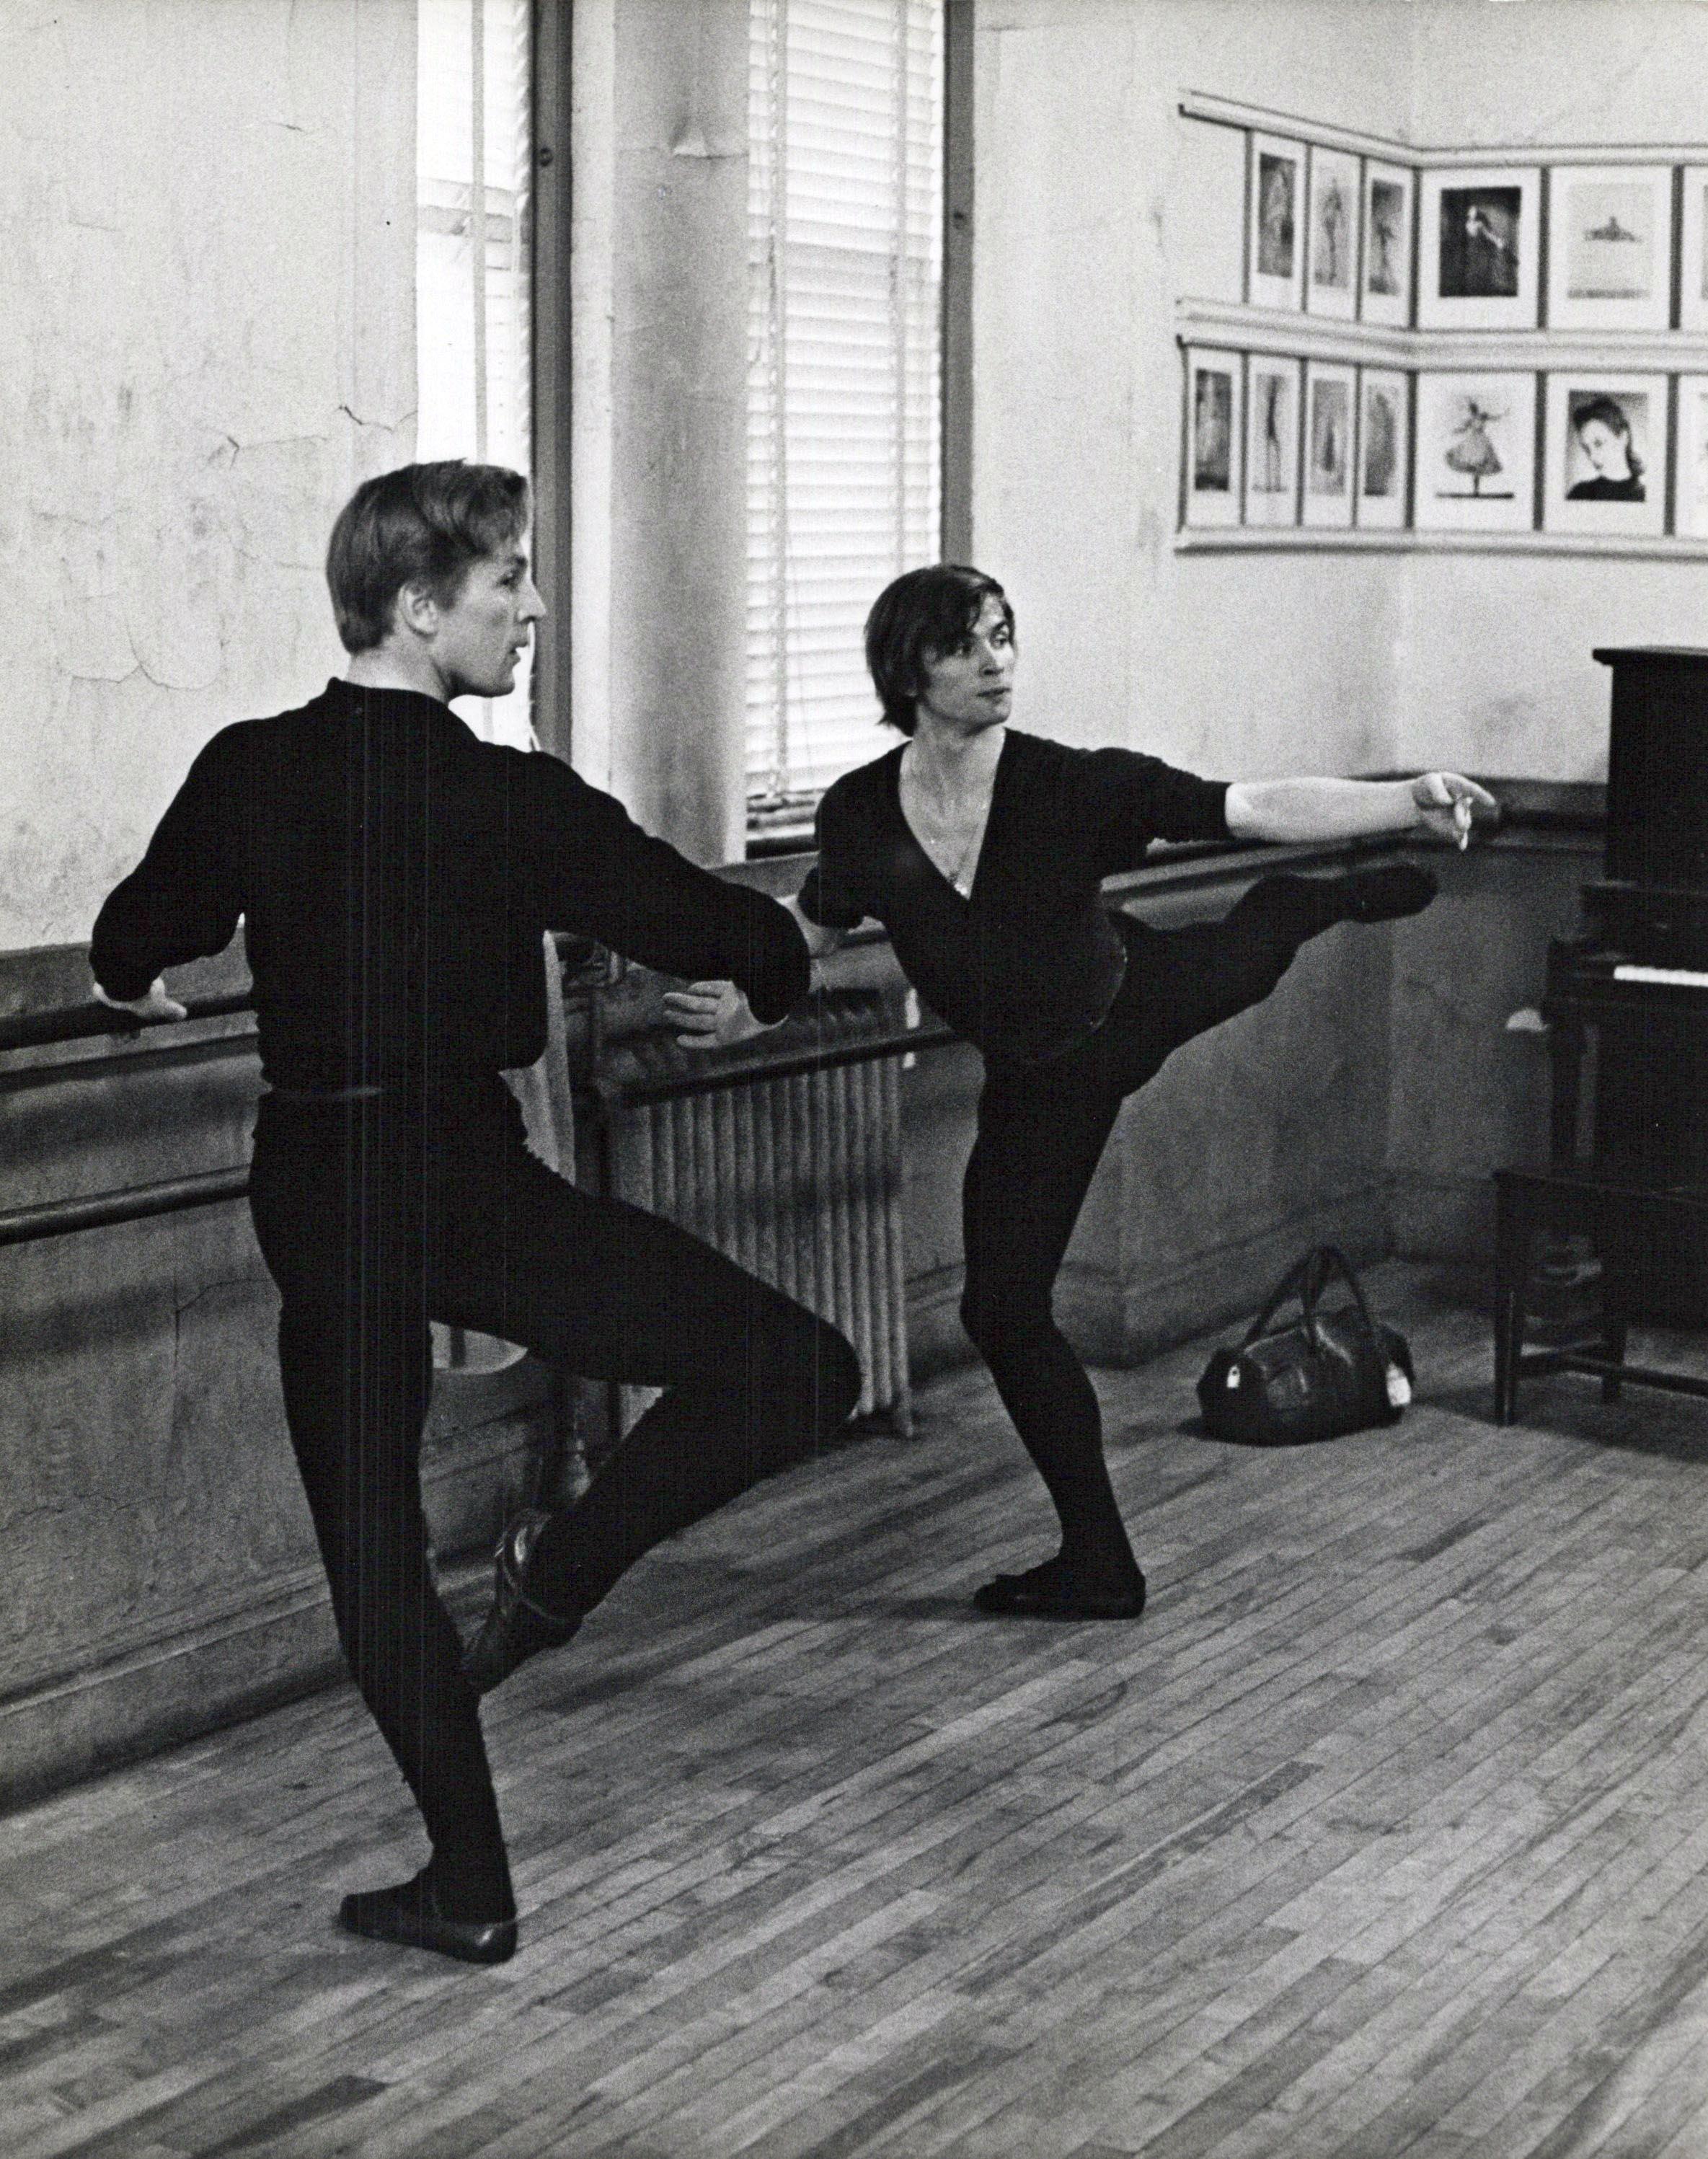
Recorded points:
957,877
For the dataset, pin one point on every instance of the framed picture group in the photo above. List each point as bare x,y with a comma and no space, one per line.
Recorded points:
1453,343
1349,237
1277,441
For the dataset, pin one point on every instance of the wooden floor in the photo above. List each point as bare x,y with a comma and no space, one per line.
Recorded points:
1385,1832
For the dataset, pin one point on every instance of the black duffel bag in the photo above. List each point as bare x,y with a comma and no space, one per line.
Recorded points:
1326,1373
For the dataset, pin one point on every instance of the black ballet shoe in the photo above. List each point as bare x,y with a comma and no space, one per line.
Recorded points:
516,1628
1050,1592
1385,894
408,1914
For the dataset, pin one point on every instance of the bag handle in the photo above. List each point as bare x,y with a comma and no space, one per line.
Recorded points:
1293,1280
1309,1277
1324,1261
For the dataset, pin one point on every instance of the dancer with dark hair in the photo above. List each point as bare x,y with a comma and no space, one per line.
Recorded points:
395,877
981,850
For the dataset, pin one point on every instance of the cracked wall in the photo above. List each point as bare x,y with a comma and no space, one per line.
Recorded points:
208,340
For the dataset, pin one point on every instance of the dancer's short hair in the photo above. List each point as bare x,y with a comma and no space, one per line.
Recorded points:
422,523
915,620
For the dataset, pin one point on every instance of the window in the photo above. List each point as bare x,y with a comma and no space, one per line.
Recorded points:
474,164
845,368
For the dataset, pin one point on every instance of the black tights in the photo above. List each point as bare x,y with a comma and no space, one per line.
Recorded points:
371,1225
1042,1129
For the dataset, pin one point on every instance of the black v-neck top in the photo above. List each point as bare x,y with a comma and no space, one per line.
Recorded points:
395,875
1029,963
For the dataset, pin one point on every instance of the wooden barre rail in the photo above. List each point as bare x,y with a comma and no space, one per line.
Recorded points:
136,1203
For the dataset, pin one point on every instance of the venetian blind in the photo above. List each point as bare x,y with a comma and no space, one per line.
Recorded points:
473,165
844,385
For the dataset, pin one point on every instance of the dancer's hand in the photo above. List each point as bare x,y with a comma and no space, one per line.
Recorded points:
156,1005
711,1015
1448,805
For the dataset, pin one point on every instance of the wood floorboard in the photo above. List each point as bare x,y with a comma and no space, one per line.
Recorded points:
1382,1835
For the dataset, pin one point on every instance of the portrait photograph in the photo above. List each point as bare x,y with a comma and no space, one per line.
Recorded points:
1693,249
1389,200
1330,440
1691,458
1332,259
1276,215
1610,247
1213,381
1605,451
1384,447
1272,440
1478,247
1476,452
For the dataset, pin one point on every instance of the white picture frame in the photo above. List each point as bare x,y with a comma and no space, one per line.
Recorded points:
1330,461
1214,436
1605,454
1693,249
1274,397
1475,466
1610,247
1332,262
1478,236
1383,497
1275,222
1691,458
1389,216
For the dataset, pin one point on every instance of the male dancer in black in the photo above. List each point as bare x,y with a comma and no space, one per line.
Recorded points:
395,876
981,850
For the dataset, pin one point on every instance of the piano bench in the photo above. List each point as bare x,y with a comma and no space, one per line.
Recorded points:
1576,1195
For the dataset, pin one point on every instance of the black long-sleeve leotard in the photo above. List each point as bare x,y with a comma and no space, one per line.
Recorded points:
396,874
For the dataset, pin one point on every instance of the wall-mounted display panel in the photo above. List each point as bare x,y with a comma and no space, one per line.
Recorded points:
1479,238
1384,448
1390,208
1214,387
1476,451
1604,452
1274,220
1272,404
1610,255
1332,250
1331,436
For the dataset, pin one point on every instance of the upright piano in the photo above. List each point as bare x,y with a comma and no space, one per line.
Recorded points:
1636,984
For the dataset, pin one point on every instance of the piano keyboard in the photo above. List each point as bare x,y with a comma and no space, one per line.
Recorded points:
1689,978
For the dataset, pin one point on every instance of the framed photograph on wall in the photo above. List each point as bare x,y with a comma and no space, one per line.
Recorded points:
1476,452
1691,458
1274,219
1332,248
1693,280
1478,234
1272,440
1605,447
1331,415
1610,247
1388,191
1214,424
1384,447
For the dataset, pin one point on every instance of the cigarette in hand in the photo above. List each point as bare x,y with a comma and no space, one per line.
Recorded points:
1461,821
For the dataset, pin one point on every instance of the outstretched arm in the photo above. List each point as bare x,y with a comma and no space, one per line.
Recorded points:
715,1015
1300,809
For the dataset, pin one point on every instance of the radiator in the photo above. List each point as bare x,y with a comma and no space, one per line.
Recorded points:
786,1154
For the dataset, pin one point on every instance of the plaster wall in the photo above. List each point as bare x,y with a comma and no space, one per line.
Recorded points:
208,340
659,425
